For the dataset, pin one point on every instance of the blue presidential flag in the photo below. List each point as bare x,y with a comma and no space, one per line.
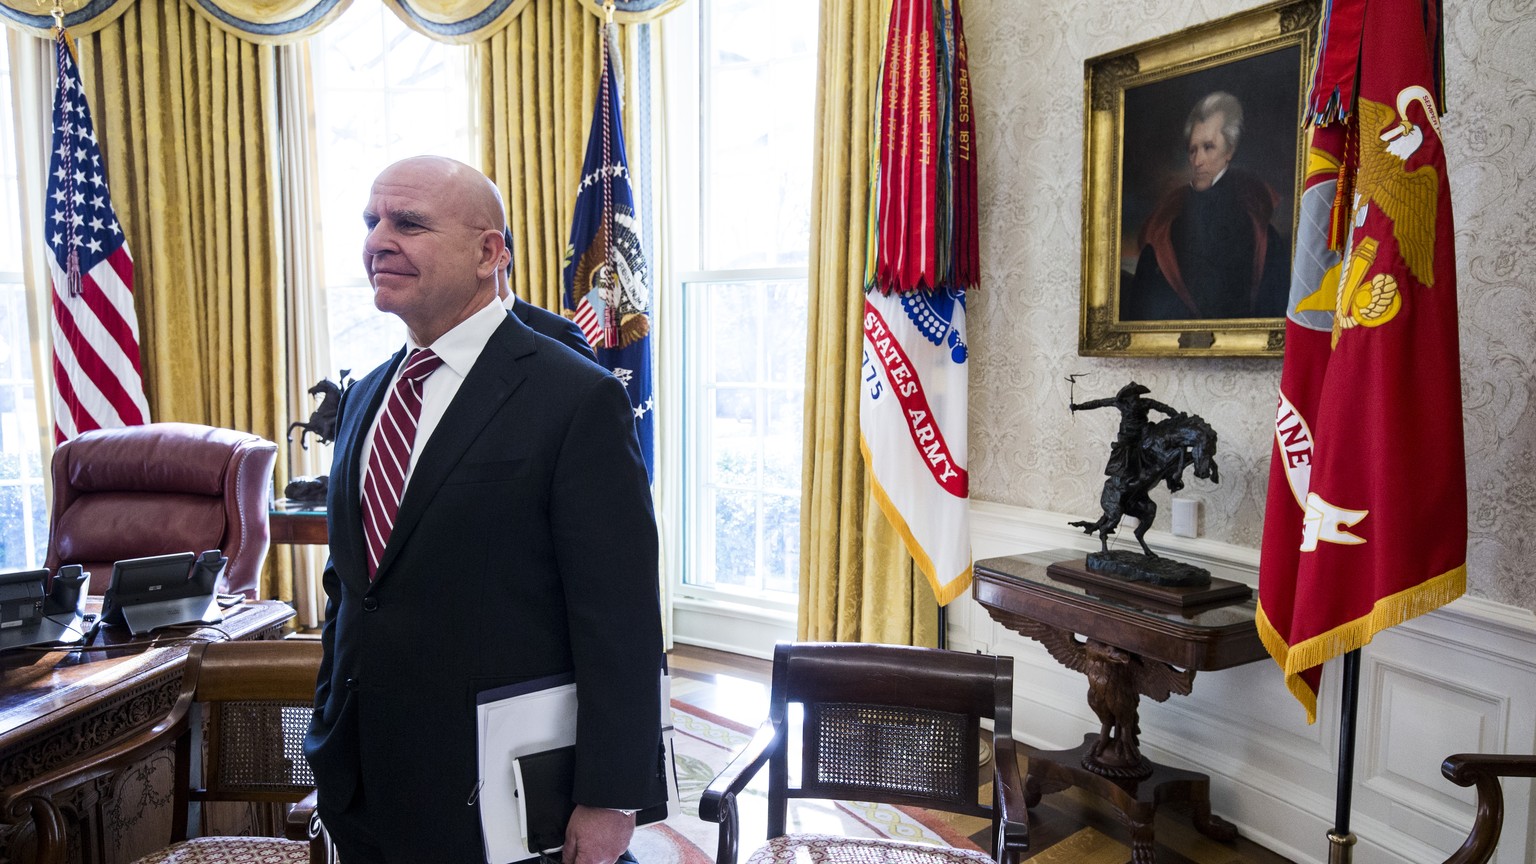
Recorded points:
607,288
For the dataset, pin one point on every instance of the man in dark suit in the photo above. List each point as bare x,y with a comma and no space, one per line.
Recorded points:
524,546
557,327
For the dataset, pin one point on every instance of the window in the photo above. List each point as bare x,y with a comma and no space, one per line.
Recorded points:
23,514
738,315
382,92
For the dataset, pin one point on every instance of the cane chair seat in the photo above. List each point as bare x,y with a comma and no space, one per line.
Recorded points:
832,849
232,850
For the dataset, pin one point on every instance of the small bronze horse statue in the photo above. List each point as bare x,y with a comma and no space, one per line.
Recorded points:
1167,447
322,422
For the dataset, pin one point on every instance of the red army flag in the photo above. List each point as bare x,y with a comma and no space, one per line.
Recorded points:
1366,522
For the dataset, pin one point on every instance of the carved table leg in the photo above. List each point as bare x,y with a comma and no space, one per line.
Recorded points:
1042,782
1142,851
1210,824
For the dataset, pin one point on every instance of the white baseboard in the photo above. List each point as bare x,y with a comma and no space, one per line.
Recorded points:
1460,679
735,627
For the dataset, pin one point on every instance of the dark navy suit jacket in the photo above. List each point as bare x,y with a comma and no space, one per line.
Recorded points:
525,546
557,327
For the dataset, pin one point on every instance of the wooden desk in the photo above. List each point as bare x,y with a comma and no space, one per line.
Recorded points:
58,706
1129,648
298,524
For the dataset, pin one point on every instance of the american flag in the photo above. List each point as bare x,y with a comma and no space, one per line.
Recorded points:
95,333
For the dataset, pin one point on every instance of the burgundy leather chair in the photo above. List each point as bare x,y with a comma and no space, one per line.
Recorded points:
158,489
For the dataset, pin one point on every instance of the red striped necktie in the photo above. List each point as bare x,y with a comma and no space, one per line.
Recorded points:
393,440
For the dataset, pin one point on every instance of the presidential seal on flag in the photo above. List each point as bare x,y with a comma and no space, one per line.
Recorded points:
605,278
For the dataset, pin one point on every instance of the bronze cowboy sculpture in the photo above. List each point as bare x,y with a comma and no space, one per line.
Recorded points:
1147,452
321,424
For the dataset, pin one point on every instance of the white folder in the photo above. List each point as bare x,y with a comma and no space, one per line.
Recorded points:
523,719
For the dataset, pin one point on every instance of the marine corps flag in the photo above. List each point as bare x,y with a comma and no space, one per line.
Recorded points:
1366,523
607,286
921,257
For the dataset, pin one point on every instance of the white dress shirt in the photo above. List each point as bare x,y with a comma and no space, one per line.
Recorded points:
459,348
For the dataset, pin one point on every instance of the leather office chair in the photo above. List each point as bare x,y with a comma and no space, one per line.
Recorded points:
1484,771
248,703
162,488
882,723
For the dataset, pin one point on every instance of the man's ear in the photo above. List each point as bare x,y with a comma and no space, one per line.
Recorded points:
492,247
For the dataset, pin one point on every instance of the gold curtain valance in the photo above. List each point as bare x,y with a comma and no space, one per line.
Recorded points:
466,22
278,22
265,22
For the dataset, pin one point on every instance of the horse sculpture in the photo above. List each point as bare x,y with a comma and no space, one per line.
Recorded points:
322,421
1167,448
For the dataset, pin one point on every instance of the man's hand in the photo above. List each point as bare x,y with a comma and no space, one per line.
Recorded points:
597,836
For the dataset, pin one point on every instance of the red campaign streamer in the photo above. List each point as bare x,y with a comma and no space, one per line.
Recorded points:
1332,96
893,230
890,113
967,253
921,242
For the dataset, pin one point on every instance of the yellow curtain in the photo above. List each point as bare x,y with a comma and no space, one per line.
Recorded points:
538,84
303,298
186,116
857,583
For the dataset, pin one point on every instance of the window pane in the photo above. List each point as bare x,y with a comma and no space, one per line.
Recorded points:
735,538
757,130
745,523
23,518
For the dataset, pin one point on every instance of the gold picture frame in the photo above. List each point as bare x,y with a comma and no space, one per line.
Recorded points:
1153,144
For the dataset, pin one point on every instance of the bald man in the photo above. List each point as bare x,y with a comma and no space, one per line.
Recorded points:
523,545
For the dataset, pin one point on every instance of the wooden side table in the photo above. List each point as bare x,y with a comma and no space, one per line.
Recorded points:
1130,648
298,524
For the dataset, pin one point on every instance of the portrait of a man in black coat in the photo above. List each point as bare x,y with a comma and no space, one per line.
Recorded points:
1210,248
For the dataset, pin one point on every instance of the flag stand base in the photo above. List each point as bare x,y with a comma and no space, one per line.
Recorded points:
1341,848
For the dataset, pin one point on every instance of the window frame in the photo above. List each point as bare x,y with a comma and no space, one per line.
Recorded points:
717,616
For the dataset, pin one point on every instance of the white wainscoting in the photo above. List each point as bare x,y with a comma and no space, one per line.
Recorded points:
1461,679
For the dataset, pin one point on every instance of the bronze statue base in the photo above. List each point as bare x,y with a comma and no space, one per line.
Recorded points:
1215,590
308,490
1137,567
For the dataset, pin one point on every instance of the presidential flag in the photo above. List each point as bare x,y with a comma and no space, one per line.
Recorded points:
607,286
1366,522
95,331
921,258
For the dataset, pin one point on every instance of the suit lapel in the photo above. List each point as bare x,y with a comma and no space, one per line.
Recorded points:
490,382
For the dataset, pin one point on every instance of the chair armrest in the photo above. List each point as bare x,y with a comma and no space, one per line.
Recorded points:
1484,771
1012,836
302,821
718,803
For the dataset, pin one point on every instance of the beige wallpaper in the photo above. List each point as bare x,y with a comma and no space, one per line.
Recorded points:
1028,451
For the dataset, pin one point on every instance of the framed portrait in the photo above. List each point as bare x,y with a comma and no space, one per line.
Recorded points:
1193,161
